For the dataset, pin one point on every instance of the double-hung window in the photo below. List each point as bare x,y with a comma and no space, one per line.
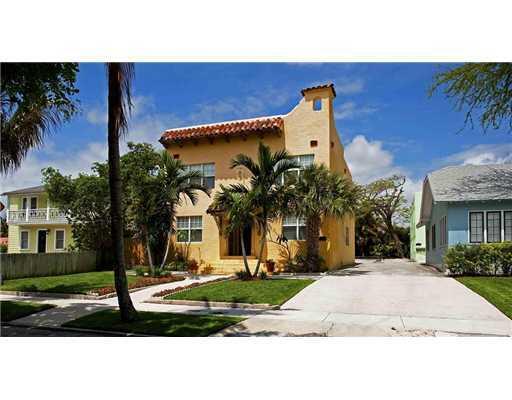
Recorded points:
294,228
476,227
303,161
493,226
507,225
59,239
24,240
189,229
207,172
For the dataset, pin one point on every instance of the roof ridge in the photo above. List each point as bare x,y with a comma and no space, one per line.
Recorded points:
227,122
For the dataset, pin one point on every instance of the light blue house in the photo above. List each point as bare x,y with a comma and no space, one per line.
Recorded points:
466,204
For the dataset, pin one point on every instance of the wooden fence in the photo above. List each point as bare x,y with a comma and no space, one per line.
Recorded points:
29,265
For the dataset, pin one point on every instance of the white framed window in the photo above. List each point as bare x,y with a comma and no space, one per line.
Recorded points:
60,236
24,240
304,161
507,226
294,228
493,226
476,227
207,172
189,229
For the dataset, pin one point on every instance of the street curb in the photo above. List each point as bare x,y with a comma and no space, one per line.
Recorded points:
217,304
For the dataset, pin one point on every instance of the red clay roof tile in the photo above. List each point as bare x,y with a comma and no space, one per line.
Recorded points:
223,129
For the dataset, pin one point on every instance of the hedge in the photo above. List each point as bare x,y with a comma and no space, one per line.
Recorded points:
481,259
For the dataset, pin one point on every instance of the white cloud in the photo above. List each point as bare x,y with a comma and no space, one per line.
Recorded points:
235,108
68,163
349,86
96,115
369,161
350,109
482,154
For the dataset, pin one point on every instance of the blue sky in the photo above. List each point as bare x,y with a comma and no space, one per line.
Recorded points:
385,118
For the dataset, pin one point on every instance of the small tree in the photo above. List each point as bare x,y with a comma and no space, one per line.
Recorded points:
317,194
265,186
176,184
383,203
237,202
86,200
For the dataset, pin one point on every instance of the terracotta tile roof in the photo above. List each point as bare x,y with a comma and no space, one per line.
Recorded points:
326,86
224,129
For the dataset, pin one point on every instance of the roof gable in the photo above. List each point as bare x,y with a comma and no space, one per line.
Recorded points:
472,183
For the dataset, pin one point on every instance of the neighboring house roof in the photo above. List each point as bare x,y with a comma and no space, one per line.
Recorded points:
326,86
224,129
29,190
465,183
472,183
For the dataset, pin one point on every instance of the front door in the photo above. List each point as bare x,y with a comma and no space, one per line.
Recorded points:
235,244
41,241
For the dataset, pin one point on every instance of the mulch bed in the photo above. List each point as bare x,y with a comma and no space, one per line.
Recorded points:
166,292
139,283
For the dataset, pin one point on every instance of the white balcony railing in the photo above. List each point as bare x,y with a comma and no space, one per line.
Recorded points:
37,216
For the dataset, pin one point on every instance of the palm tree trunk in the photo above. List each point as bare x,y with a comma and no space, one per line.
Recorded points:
312,243
148,251
127,310
262,247
244,254
166,249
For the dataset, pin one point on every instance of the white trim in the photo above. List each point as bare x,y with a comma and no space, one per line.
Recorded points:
45,241
503,220
484,212
297,225
189,229
63,240
28,239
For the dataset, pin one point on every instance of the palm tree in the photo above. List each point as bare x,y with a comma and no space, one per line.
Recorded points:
35,100
237,202
317,194
120,76
177,184
265,182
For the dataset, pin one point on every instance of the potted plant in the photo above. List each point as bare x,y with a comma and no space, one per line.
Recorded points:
271,266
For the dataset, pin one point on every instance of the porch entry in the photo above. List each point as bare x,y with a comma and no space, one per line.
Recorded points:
41,241
235,243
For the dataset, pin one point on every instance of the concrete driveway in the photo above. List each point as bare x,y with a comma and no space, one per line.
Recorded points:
394,297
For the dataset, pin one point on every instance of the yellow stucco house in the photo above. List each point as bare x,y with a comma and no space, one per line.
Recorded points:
307,132
34,226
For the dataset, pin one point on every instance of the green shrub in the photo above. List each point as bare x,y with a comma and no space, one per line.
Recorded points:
482,259
3,248
263,275
140,271
243,275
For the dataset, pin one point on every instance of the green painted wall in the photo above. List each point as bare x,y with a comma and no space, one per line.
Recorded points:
417,234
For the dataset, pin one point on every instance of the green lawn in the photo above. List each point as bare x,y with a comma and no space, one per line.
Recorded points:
11,310
74,283
269,291
155,323
496,290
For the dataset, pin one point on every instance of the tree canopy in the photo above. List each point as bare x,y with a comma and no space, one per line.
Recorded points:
483,90
35,99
